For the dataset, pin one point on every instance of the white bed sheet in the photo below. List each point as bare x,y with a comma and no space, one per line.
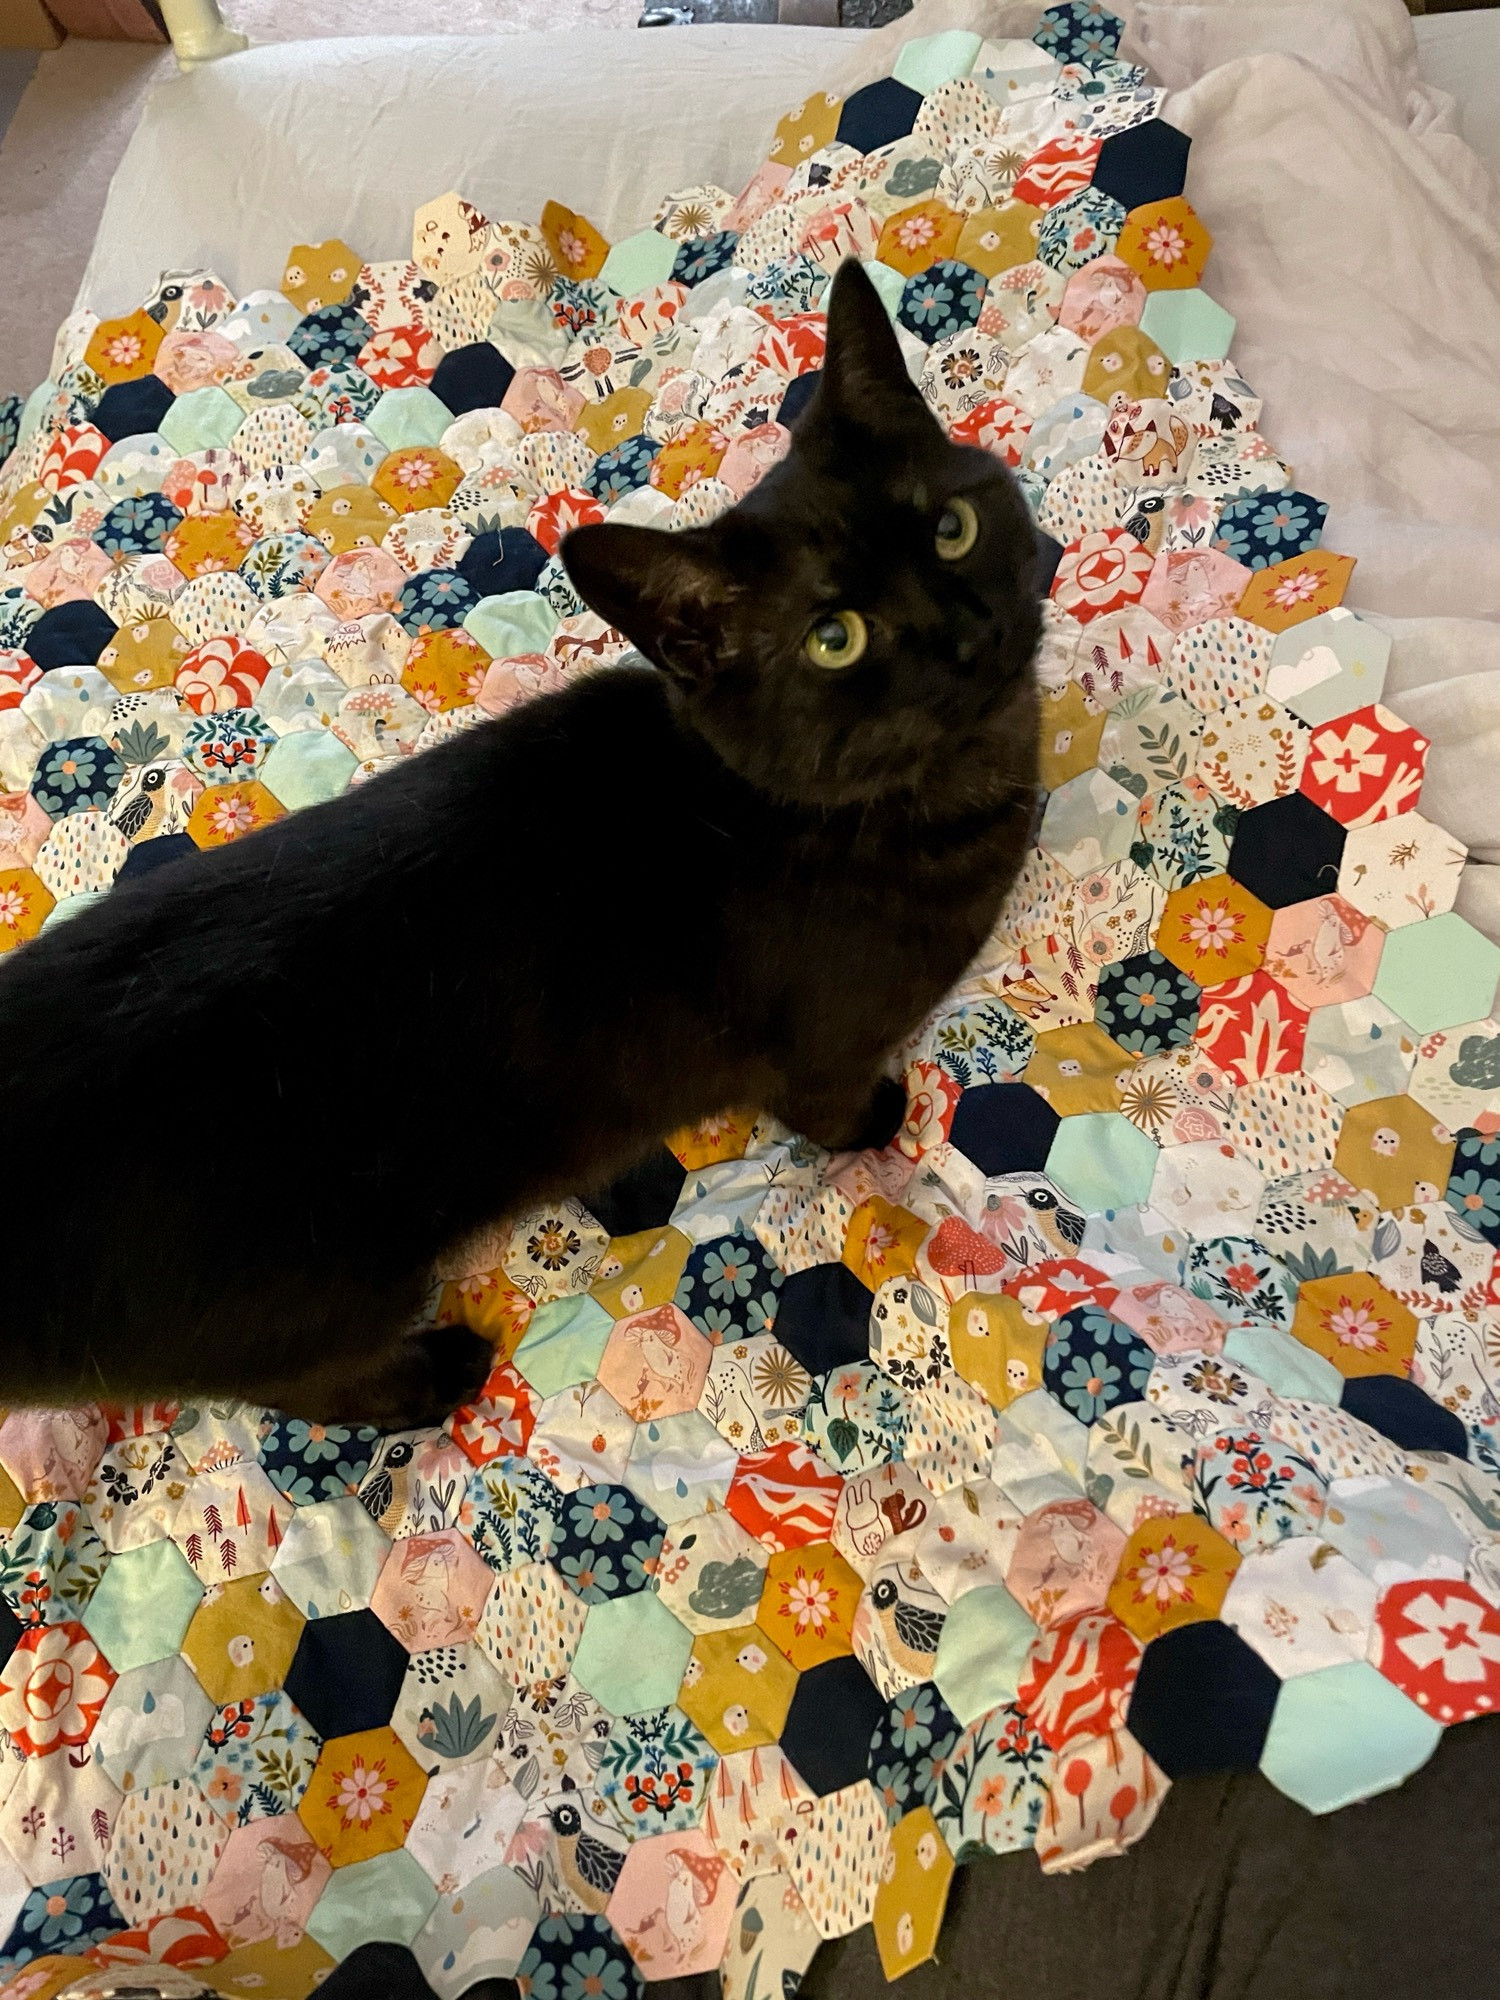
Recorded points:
1358,244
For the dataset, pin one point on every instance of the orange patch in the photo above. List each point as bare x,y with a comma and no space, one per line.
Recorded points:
1295,589
574,241
1214,930
1354,1322
1166,245
1175,1569
883,1241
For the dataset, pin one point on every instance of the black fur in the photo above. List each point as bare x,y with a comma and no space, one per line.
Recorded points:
250,1097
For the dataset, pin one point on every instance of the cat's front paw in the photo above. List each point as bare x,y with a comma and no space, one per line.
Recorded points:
432,1373
884,1116
457,1363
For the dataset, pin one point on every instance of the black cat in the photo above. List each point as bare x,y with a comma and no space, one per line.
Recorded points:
249,1099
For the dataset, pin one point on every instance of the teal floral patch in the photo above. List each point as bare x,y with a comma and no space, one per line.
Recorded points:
656,1772
1474,1184
1248,1286
309,1462
622,469
1183,834
1091,1362
994,1785
329,335
1078,229
69,1916
435,600
729,1288
256,1758
577,1958
80,774
1079,31
342,394
577,304
947,297
227,746
1147,1004
1259,529
610,1543
52,1563
699,257
137,526
856,1418
910,1749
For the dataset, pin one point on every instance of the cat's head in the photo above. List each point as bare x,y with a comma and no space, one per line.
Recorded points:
864,614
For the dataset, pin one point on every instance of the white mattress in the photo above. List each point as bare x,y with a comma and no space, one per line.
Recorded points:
1358,243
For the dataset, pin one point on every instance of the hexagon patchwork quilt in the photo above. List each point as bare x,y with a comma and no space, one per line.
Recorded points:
824,1521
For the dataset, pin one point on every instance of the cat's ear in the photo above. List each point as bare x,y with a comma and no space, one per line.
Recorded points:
664,591
864,370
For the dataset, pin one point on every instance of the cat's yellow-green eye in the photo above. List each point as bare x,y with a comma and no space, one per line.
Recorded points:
837,641
957,530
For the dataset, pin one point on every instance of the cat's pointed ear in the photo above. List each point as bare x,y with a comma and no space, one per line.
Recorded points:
864,370
661,590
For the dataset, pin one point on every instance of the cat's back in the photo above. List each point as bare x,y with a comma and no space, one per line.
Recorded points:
344,917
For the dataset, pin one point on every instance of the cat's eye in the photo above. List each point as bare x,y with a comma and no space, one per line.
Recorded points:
837,641
957,530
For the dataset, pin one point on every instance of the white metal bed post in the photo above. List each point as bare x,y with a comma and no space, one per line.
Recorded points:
198,32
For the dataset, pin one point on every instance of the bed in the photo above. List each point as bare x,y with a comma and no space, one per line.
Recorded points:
1356,235
1361,257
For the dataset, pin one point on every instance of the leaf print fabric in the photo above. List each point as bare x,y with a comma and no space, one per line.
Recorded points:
1255,1490
256,1759
994,1786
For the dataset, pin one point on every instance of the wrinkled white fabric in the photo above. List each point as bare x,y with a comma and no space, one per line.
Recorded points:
1357,242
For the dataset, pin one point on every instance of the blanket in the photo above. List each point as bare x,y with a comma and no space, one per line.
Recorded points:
825,1521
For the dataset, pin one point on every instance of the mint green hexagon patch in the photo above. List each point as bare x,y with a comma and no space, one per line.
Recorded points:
307,767
409,416
1438,974
1289,1367
514,622
633,1654
201,420
933,59
1102,1160
639,262
1344,1733
986,1637
386,1901
563,1344
1188,325
143,1605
